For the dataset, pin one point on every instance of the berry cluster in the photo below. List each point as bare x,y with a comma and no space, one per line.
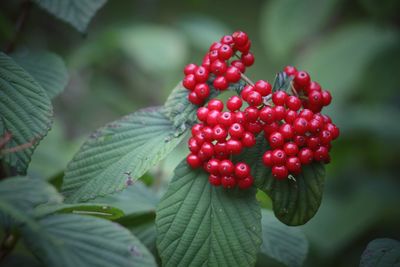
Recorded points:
219,66
289,119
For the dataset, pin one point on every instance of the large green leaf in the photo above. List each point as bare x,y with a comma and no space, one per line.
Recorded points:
75,12
118,154
282,243
285,23
295,201
382,252
18,197
25,113
202,225
47,68
78,241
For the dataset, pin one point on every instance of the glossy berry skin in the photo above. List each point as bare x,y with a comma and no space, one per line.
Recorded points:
321,154
202,113
245,48
267,114
214,180
293,103
195,99
219,133
212,166
201,74
280,172
276,140
227,39
225,52
306,156
291,149
313,142
302,78
279,98
212,117
278,157
242,170
189,69
226,167
236,130
263,87
239,117
218,67
300,126
306,114
193,161
226,119
251,114
234,146
267,159
300,140
240,38
220,151
270,128
280,112
208,133
254,127
239,64
189,82
215,104
326,98
194,147
196,129
248,139
333,129
202,90
293,165
290,70
247,59
220,83
315,98
246,182
290,116
234,103
228,181
287,131
326,137
246,91
232,74
254,98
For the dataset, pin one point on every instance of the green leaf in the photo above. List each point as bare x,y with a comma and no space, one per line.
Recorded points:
147,234
48,69
77,241
285,23
118,154
202,225
282,82
383,252
295,201
18,197
75,12
282,243
25,114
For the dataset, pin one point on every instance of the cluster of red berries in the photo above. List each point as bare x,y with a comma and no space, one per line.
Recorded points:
219,66
290,120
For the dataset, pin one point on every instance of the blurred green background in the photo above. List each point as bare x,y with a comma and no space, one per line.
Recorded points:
134,53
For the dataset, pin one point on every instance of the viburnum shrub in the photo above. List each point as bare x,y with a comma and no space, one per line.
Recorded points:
290,120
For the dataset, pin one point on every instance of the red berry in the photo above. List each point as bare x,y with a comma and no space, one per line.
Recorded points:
254,98
220,150
245,48
278,157
232,74
270,128
220,83
280,172
227,39
300,126
236,130
195,99
279,98
293,103
290,70
300,140
326,137
206,62
321,154
212,166
234,146
313,86
267,158
193,145
242,170
247,59
248,139
291,115
246,91
286,130
239,117
189,82
207,149
239,64
208,133
306,156
291,149
240,38
213,55
326,119
315,98
276,140
302,78
193,161
315,126
326,97
215,46
293,165
251,114
219,133
212,117
246,182
218,67
214,180
254,127
263,87
190,69
215,104
267,114
196,129
333,129
201,74
225,52
202,113
226,118
313,142
234,103
228,181
306,114
202,90
226,167
280,112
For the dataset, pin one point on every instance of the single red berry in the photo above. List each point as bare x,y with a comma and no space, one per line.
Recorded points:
326,119
291,149
208,133
220,150
315,125
202,113
246,91
227,39
202,90
214,180
212,117
293,103
215,46
226,119
251,114
263,87
302,78
313,142
254,98
242,170
219,133
276,140
280,112
234,146
267,159
326,97
321,154
254,127
201,74
215,104
245,48
239,117
206,62
234,103
333,129
218,67
193,145
239,64
287,131
313,86
232,74
267,114
248,139
226,167
290,70
195,99
228,181
315,98
326,137
190,69
270,128
220,83
207,149
306,156
236,130
280,172
225,52
279,98
293,165
278,157
247,59
212,166
291,115
240,38
196,129
306,114
246,182
189,82
300,126
300,140
213,55
193,161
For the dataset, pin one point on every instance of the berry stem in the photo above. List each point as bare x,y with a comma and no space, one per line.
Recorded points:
293,89
246,79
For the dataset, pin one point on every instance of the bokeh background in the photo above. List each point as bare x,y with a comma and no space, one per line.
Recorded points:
134,53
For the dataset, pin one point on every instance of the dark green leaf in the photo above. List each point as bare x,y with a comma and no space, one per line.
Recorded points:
282,82
75,12
25,114
382,252
118,154
203,225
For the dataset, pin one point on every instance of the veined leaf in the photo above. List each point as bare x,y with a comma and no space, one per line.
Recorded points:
383,252
118,154
75,12
25,114
78,241
202,225
47,68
